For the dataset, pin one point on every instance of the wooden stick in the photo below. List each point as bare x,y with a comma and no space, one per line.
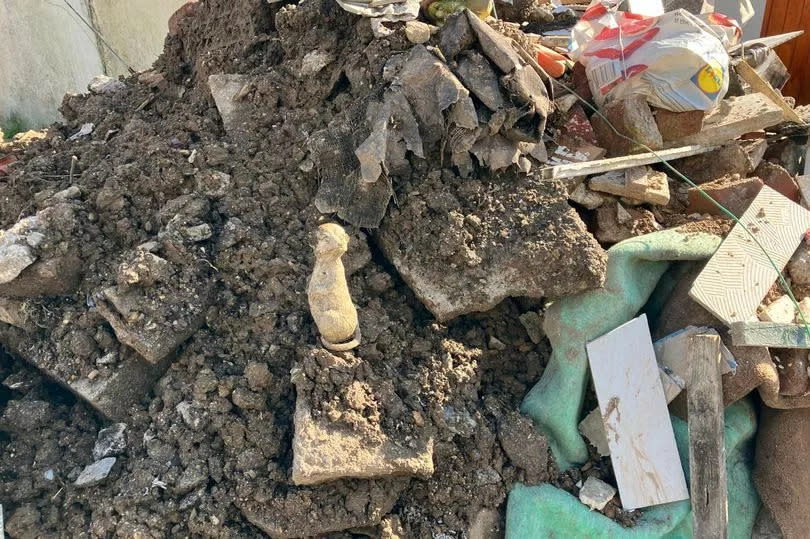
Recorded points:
707,455
758,84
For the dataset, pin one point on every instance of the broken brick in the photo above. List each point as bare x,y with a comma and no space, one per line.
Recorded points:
733,192
725,161
778,179
578,125
676,125
632,118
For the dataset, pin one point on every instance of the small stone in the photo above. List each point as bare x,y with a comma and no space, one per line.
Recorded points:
14,258
111,441
102,84
781,311
192,416
593,429
799,265
534,326
804,311
95,473
198,233
622,215
108,359
16,313
595,493
496,344
417,32
248,400
314,61
191,478
586,198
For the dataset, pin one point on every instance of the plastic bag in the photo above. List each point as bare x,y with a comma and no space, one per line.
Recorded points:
678,60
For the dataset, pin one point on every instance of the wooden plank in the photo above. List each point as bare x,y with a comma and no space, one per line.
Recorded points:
735,117
769,41
707,454
574,170
634,411
758,84
769,334
734,281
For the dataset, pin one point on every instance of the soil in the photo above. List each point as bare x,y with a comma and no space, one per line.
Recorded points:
209,239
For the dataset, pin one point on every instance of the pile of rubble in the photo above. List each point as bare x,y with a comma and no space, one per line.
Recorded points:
165,373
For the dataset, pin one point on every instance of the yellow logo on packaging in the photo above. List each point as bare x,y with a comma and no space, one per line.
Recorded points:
710,78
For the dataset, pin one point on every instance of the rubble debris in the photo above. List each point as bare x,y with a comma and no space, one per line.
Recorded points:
593,429
634,412
723,161
803,182
614,223
111,441
707,454
780,311
418,32
640,183
480,78
778,179
574,170
17,313
671,351
798,267
533,324
746,276
769,334
324,450
633,118
95,473
156,305
102,84
595,493
574,150
732,192
485,525
330,302
677,125
577,125
84,131
399,10
228,92
585,197
488,267
733,118
792,368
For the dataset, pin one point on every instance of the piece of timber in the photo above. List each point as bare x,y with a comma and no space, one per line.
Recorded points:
634,411
758,84
707,454
769,334
574,170
738,275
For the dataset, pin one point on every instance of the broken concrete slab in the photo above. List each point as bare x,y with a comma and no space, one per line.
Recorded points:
640,183
596,494
323,452
95,473
455,36
632,118
732,192
735,117
535,260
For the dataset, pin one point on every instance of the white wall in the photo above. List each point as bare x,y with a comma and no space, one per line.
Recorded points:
752,28
45,51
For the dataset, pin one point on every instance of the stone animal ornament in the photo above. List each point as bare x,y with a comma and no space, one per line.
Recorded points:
328,293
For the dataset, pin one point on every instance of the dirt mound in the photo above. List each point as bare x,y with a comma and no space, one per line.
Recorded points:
194,255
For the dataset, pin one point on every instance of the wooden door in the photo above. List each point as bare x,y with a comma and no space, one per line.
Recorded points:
786,16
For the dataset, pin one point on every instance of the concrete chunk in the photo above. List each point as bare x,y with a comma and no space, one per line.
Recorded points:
632,118
596,494
781,311
639,183
735,117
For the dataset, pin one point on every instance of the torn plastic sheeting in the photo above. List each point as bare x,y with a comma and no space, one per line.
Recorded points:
546,511
634,268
